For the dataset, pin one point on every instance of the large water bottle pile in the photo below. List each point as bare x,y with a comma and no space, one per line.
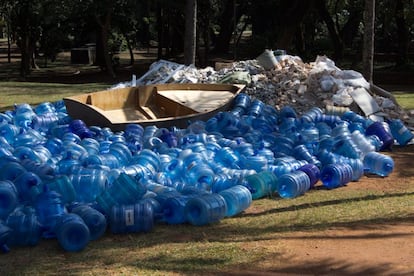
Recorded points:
61,179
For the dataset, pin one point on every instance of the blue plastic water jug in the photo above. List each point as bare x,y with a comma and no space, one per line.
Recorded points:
378,163
400,132
94,219
336,175
71,232
205,209
26,228
293,184
8,198
262,184
138,217
124,190
238,198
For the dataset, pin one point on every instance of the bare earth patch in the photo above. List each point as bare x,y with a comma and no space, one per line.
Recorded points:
372,249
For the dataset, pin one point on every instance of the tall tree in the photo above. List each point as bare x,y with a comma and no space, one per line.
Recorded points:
402,33
368,49
190,32
25,21
332,28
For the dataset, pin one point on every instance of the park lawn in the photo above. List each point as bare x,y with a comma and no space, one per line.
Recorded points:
33,93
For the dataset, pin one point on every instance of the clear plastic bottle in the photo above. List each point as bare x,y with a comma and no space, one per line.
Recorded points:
72,233
262,184
378,163
293,184
205,209
138,217
94,219
238,198
400,132
9,198
336,175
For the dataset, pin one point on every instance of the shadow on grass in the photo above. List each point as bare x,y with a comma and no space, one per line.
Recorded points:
326,203
184,249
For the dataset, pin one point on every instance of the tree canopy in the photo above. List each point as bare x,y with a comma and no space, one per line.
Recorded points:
230,27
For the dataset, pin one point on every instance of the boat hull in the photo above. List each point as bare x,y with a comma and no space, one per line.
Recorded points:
163,105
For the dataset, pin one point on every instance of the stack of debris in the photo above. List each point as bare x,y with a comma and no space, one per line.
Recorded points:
290,82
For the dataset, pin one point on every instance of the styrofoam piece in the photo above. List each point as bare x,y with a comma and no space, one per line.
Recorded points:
365,101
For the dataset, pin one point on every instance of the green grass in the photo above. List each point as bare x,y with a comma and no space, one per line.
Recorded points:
406,100
242,241
34,93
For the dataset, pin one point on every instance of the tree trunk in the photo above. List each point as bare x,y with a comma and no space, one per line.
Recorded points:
190,32
350,30
160,29
130,50
292,14
333,33
226,28
25,56
105,27
402,33
8,40
368,48
107,58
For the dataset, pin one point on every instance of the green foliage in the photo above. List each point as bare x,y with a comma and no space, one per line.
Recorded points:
57,24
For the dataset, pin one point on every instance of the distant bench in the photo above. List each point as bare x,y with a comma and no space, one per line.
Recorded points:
83,55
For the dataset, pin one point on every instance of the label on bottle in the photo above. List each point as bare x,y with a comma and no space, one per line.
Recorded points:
129,217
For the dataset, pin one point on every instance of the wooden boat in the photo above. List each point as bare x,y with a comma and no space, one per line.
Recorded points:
163,105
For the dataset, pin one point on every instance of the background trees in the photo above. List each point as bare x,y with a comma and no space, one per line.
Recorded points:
305,28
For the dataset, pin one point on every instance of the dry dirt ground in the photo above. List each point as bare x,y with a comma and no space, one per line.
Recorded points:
385,249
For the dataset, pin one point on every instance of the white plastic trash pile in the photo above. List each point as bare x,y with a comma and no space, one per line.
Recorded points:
282,79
